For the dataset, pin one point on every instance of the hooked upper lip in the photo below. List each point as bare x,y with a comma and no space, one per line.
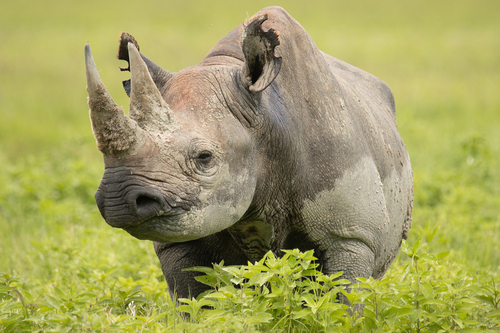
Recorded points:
170,213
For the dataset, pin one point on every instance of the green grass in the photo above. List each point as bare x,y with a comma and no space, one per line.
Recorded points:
65,268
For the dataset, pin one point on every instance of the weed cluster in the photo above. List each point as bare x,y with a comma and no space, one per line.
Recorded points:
428,293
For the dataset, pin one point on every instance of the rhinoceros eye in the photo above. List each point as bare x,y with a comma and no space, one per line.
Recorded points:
204,158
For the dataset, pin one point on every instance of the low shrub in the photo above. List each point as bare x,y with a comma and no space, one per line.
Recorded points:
422,293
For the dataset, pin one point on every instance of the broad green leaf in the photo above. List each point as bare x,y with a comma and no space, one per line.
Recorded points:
217,295
390,302
140,299
259,318
53,302
260,279
301,314
216,313
59,292
427,257
208,280
486,299
416,246
458,321
406,248
493,314
442,255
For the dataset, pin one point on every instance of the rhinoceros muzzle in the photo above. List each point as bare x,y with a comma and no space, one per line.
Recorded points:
136,207
125,206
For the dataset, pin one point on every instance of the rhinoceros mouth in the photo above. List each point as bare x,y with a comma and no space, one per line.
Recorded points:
149,210
146,230
164,229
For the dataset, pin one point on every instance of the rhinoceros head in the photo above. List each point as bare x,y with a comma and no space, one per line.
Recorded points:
181,166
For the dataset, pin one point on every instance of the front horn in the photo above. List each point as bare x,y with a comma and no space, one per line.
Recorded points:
114,132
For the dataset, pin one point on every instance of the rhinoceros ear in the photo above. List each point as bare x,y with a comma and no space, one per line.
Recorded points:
261,65
158,74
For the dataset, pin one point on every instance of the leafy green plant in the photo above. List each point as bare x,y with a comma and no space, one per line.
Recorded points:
288,294
429,293
282,294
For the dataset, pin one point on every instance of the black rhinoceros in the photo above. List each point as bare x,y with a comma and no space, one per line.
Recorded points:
266,144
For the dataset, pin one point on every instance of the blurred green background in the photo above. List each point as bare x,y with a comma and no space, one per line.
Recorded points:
441,58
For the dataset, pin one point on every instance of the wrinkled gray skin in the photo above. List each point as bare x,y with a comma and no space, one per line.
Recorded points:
267,144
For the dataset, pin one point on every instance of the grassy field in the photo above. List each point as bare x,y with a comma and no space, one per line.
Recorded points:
64,268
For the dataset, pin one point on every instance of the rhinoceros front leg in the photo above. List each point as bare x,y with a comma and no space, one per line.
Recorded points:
175,257
351,256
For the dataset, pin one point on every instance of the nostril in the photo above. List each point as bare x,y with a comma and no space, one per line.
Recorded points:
143,201
148,204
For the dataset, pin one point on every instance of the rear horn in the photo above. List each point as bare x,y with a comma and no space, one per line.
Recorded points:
147,106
